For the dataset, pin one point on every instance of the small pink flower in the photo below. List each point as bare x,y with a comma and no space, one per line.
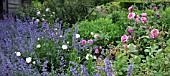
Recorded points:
155,8
96,51
131,15
37,20
144,14
134,46
99,59
83,42
130,30
137,16
38,13
159,16
124,38
155,33
131,37
130,8
96,36
90,41
47,9
144,19
137,20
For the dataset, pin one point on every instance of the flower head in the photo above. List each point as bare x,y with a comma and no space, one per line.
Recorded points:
18,53
159,16
137,20
38,46
130,30
96,51
131,15
64,47
154,33
47,9
90,41
144,14
28,60
144,19
130,9
77,36
96,36
155,8
38,13
83,42
124,38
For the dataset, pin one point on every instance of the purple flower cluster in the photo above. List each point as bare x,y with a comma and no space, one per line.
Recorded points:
129,70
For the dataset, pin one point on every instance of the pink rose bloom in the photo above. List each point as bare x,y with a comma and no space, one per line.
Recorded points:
96,51
137,20
130,8
124,38
144,19
155,8
144,14
96,36
90,41
131,15
155,32
130,30
83,42
159,16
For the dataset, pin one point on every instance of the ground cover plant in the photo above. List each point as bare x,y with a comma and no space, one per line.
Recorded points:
128,42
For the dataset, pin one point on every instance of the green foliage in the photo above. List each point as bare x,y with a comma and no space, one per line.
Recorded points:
107,31
69,10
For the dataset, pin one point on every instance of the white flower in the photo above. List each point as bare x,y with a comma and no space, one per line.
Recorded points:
38,46
96,36
43,15
64,47
53,12
33,62
77,36
28,60
87,56
38,39
68,42
55,29
37,20
18,53
61,36
91,33
47,9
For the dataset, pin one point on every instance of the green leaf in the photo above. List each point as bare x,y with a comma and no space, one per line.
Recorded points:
146,50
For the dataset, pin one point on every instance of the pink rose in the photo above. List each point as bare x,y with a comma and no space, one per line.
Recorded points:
83,42
155,8
130,8
90,41
131,15
130,30
144,19
154,33
137,20
144,14
96,36
97,51
124,38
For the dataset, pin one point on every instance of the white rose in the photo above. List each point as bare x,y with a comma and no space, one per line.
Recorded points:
18,53
28,60
87,56
77,36
64,47
38,46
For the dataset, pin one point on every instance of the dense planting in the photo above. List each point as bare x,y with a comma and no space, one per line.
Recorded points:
111,42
